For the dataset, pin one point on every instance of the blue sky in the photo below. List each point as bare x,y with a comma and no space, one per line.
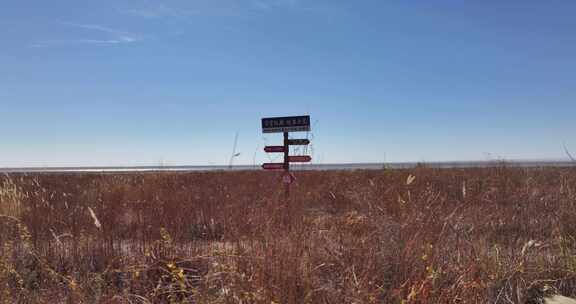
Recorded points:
148,82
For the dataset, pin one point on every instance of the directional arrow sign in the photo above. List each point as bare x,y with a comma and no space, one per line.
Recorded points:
274,149
273,166
299,159
298,142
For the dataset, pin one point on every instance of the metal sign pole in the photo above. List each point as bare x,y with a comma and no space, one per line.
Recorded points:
286,165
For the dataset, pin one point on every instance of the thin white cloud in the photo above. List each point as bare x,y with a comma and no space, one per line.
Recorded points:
293,5
159,10
113,37
273,4
165,9
162,9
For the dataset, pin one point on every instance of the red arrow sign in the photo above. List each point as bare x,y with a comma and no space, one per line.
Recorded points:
273,166
298,142
299,159
273,149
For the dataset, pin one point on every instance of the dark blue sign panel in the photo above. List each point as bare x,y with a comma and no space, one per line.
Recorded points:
286,124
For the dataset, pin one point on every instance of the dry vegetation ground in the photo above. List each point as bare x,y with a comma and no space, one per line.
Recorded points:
492,235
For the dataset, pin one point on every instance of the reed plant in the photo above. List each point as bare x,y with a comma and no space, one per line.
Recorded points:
422,235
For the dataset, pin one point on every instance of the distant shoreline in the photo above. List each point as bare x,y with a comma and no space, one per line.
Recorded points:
345,166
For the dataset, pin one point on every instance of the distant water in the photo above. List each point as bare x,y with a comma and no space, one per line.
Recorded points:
353,166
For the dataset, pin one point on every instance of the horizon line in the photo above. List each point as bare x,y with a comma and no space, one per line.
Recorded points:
313,166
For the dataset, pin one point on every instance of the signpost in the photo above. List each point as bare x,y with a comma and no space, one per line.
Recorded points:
273,166
285,125
299,159
298,142
274,149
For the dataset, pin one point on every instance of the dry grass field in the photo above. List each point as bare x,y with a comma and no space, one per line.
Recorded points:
424,235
